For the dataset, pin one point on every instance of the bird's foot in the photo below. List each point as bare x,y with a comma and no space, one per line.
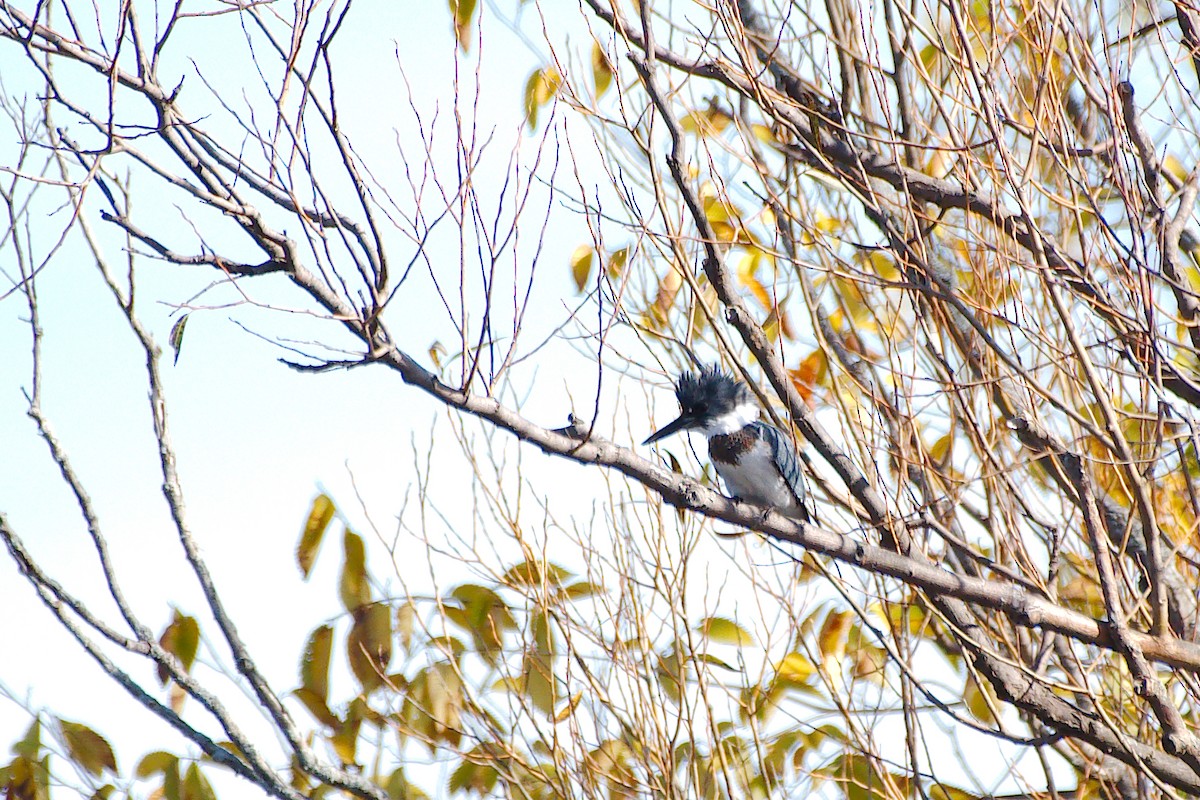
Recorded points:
763,513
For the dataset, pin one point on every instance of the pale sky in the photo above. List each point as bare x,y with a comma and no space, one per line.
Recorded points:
256,440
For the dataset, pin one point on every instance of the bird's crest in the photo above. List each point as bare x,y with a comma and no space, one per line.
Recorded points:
711,387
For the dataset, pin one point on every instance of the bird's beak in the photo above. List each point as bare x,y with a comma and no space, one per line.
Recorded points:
682,423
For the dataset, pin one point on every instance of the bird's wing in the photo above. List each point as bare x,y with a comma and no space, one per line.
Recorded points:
784,454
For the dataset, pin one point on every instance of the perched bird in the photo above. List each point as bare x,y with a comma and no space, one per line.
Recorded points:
756,460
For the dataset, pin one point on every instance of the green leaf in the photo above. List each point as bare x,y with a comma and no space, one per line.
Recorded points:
670,676
319,517
445,694
181,638
537,666
317,706
398,787
87,748
354,588
26,779
345,740
406,615
172,785
480,779
30,745
160,762
433,705
860,780
196,786
538,682
709,658
176,336
447,644
314,666
582,589
724,631
483,614
369,645
535,574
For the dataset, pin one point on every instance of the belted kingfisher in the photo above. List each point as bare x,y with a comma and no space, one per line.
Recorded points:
756,460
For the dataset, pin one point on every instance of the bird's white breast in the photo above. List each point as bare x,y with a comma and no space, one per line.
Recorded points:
756,479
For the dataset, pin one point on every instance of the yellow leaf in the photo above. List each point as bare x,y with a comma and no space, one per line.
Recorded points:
669,677
30,745
437,352
176,336
483,614
345,740
437,700
616,262
406,615
941,791
87,748
707,300
314,665
870,661
929,56
724,631
1082,593
832,639
541,87
581,265
354,588
1175,168
941,448
569,707
759,291
940,163
705,123
317,707
537,667
462,12
884,265
473,776
181,639
795,667
763,134
548,86
535,574
668,289
980,700
157,763
747,268
828,224
369,645
602,70
319,517
196,786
